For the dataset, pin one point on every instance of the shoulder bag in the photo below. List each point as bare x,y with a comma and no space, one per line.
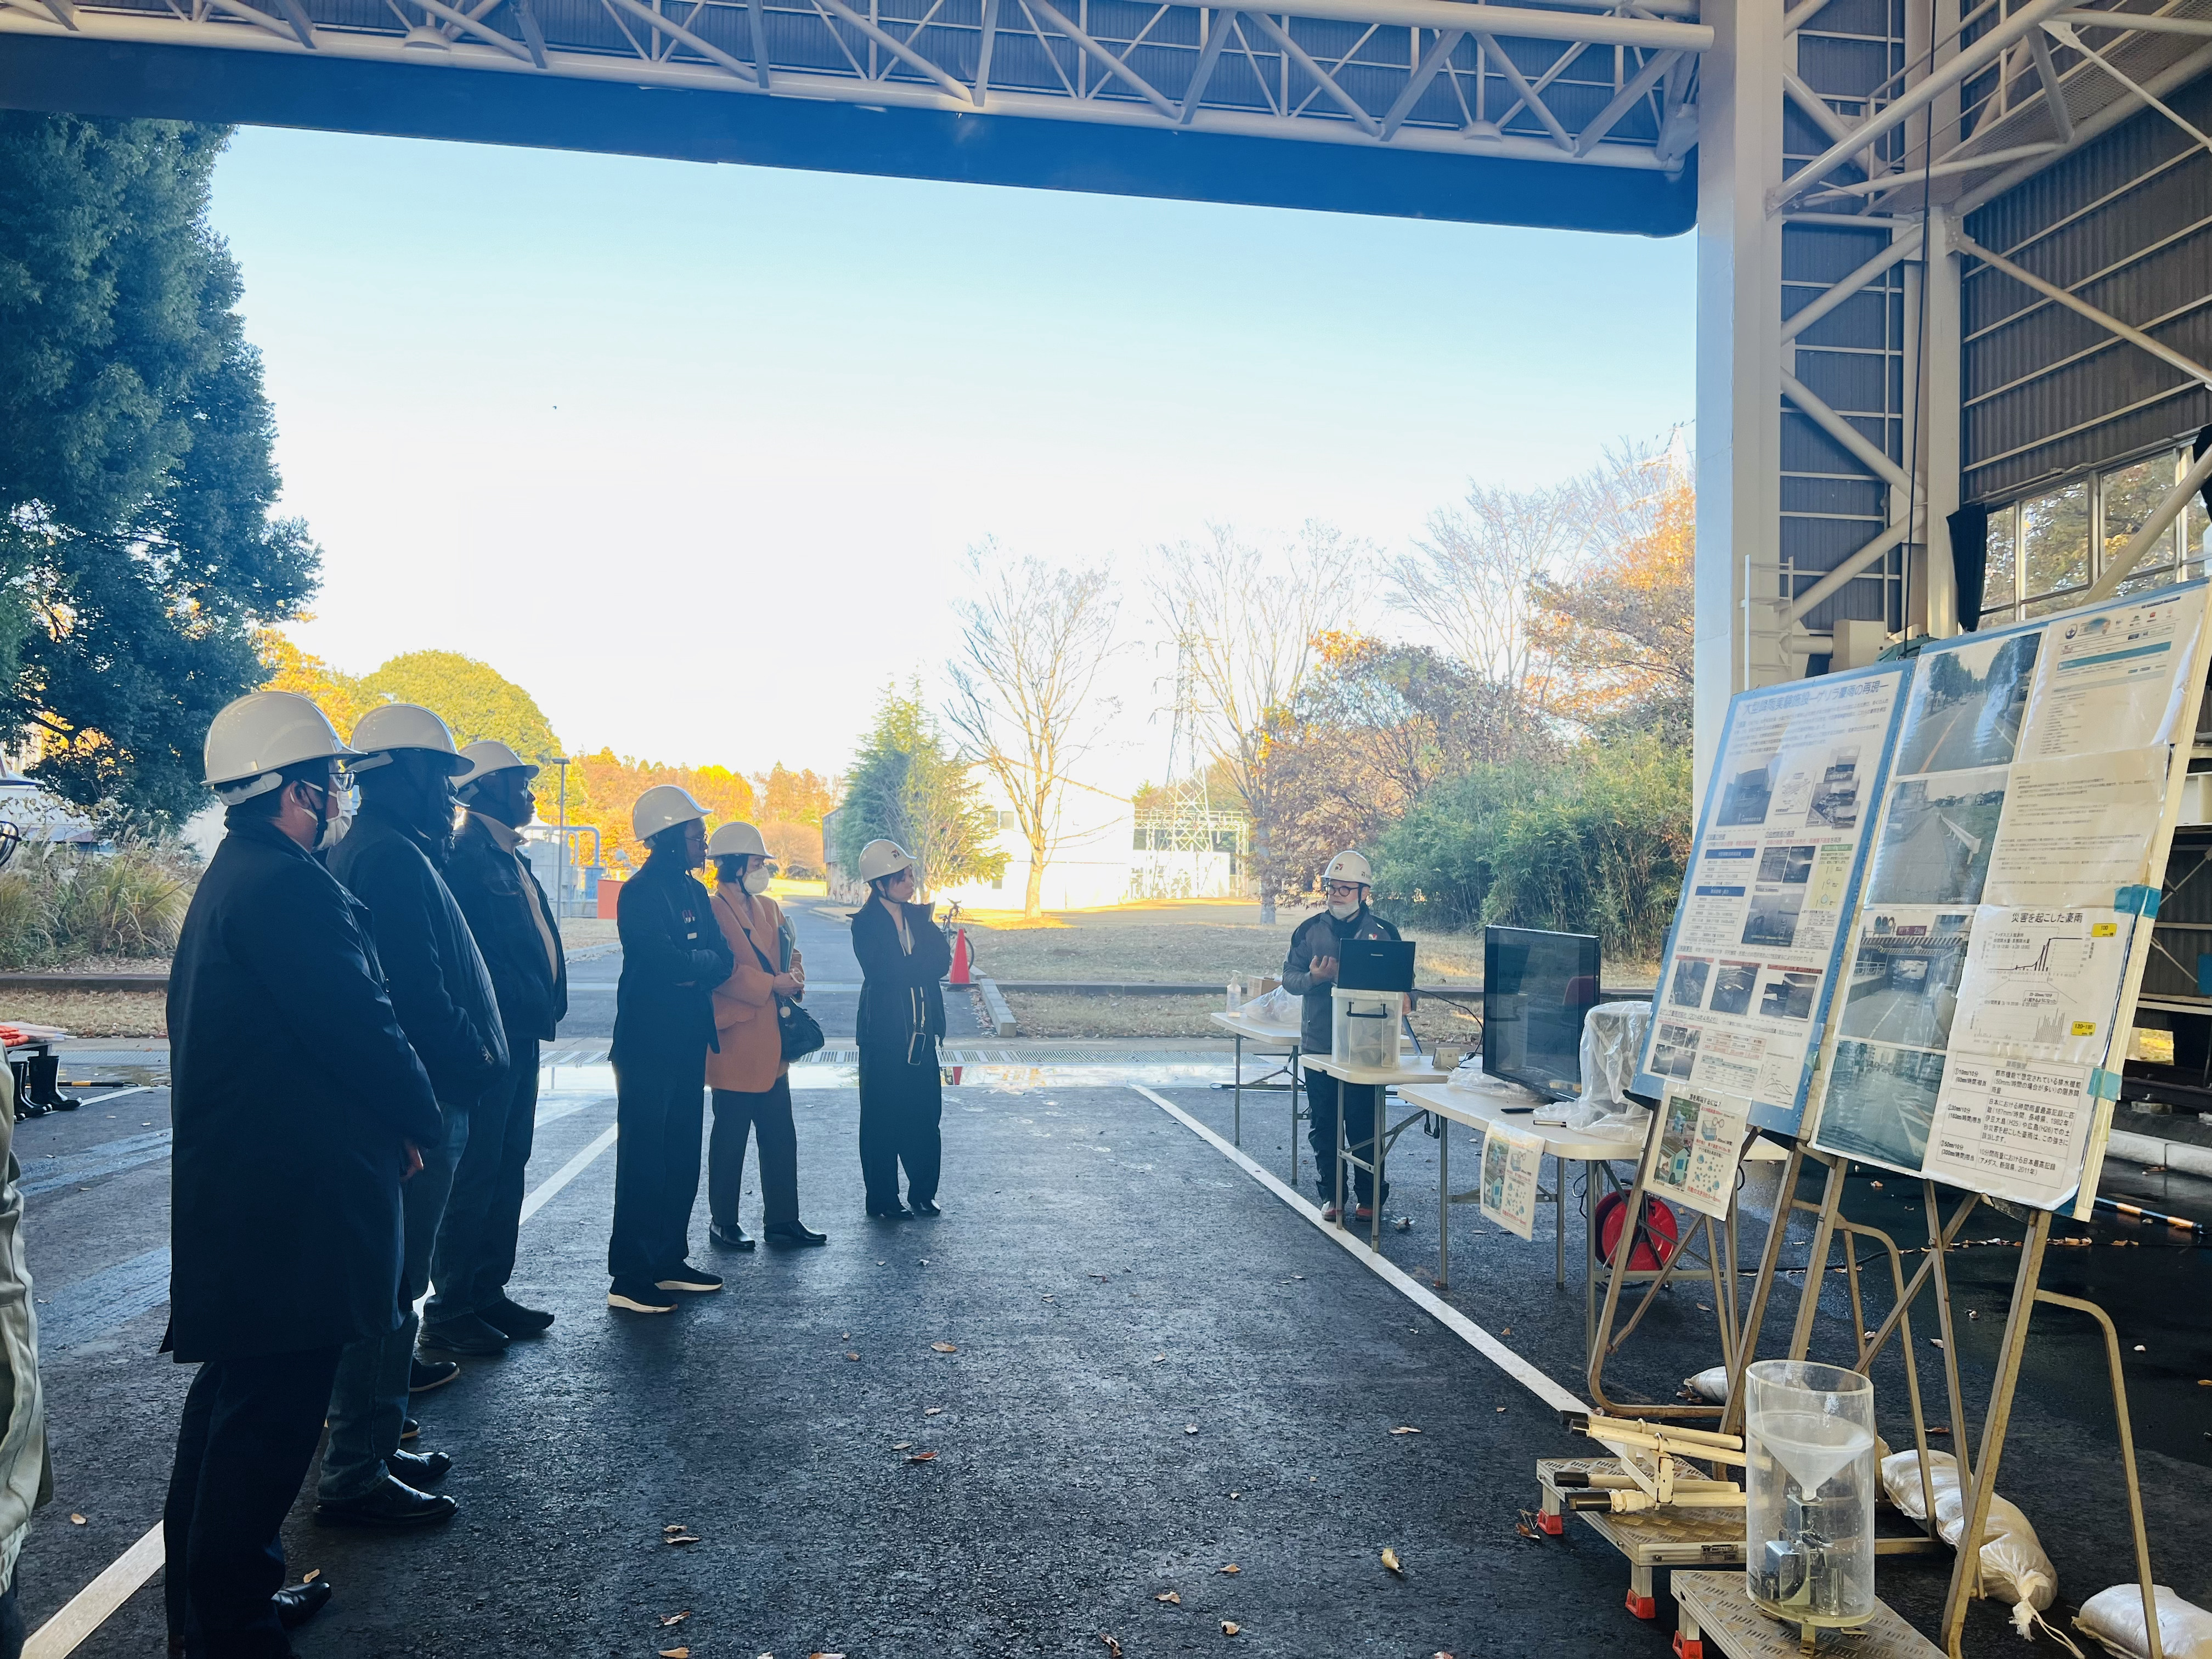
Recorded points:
799,1031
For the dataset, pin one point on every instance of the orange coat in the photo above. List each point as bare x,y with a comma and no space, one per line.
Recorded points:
751,1057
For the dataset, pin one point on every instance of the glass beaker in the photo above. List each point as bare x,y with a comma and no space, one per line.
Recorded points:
1809,1492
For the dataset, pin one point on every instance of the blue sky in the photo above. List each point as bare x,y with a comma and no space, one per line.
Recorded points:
693,452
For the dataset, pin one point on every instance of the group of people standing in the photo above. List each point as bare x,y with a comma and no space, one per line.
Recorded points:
354,1012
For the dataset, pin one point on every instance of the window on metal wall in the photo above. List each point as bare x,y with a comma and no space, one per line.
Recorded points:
2046,550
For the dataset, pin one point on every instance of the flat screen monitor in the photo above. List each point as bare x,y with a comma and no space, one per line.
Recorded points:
1537,986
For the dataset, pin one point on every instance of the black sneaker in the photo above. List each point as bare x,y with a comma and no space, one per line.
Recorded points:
392,1506
468,1334
691,1280
511,1319
924,1207
424,1375
632,1298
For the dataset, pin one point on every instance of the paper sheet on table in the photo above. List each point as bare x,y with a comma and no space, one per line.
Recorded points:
1511,1159
2012,1129
1694,1155
2042,984
2075,831
2114,678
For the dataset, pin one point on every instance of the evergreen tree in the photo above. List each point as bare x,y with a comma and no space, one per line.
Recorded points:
907,785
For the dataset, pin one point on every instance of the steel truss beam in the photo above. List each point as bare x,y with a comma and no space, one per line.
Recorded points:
1411,75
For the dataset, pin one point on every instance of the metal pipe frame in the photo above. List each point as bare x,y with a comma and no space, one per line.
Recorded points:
946,59
2073,301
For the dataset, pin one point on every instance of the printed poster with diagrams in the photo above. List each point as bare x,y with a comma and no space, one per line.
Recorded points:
1758,933
1511,1159
1698,1142
1989,971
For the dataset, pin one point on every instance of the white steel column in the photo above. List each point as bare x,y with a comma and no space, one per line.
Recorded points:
1739,361
1934,449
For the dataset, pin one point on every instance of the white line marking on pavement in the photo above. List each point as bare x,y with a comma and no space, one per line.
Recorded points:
91,1607
1387,1271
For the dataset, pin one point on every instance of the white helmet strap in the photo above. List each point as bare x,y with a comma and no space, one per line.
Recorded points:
246,788
370,763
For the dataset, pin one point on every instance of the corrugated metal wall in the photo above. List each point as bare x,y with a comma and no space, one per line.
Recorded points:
2126,223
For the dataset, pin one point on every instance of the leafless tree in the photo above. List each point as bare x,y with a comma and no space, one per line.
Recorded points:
1033,637
1469,578
1245,623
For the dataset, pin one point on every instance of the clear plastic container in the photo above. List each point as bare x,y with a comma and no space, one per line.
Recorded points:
1809,1492
1364,1028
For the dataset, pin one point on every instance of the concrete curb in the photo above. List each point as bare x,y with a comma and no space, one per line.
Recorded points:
994,1005
84,982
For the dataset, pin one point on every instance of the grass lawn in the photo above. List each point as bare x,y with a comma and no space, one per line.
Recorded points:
90,1013
1063,1015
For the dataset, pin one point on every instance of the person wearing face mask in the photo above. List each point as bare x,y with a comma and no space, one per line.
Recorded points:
300,1108
391,861
1310,972
903,954
515,928
749,1078
673,956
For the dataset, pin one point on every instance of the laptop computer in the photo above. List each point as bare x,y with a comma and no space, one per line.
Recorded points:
1375,964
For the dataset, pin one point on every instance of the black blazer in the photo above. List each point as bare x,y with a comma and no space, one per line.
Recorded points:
899,996
498,894
292,1086
439,981
673,956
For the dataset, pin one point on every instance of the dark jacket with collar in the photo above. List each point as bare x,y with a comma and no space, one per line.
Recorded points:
900,1000
673,956
1322,935
502,902
439,981
292,1088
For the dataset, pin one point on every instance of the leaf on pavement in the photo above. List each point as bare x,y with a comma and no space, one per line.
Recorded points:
1390,1560
932,1411
76,1520
943,1348
852,1356
311,1574
920,1457
1175,1596
1231,1569
1190,1428
1229,1627
669,1618
1405,1428
675,1653
1113,1647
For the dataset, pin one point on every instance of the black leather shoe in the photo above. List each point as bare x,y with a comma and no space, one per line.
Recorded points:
511,1320
423,1374
393,1506
732,1238
420,1470
295,1604
467,1334
896,1213
794,1233
925,1206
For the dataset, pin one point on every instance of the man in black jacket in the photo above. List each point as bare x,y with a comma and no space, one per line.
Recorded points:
444,998
1310,972
673,956
520,939
300,1108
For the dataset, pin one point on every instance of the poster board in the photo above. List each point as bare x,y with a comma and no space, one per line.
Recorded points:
1759,932
1511,1161
1696,1142
2004,920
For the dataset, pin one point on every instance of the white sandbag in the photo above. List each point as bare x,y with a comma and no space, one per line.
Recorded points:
2114,1618
2015,1569
1710,1383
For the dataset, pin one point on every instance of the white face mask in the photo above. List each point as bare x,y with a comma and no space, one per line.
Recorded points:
334,826
1344,910
757,879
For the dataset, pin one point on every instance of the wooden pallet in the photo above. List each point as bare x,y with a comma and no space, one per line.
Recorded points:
1651,1539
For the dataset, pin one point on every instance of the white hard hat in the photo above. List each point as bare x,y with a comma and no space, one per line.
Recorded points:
1349,866
488,756
883,858
663,807
251,739
404,725
732,839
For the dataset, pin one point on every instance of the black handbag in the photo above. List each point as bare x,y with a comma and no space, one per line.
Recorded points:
799,1031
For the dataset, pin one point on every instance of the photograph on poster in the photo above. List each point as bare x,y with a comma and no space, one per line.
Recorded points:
1788,994
2114,677
1733,986
1937,839
1786,864
1675,1050
1967,705
1835,803
1880,1102
1688,989
1773,917
2044,984
1905,976
1749,791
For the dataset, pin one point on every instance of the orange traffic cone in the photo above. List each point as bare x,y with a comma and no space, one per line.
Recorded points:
962,961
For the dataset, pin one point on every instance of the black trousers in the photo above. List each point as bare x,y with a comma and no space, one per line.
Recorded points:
12,1633
474,1256
901,1112
1361,1106
248,1433
768,1114
660,1113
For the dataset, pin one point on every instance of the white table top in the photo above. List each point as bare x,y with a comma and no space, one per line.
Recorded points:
1400,1075
1479,1111
1246,1027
